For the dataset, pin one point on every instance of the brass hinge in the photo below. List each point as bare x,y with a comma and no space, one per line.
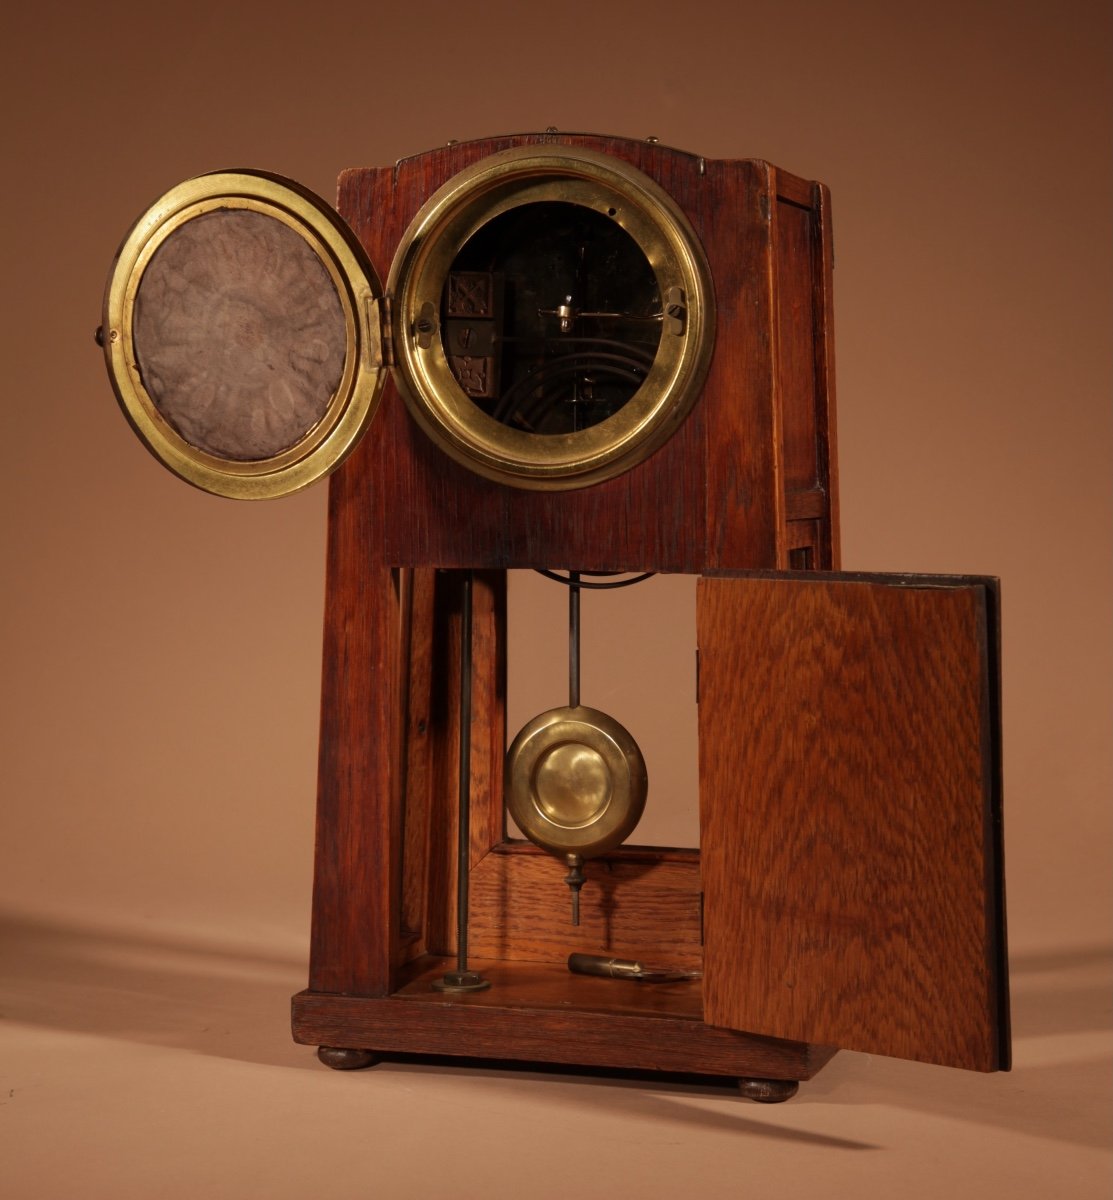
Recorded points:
386,316
380,346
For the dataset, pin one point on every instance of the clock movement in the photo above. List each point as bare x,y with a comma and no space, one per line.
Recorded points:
598,358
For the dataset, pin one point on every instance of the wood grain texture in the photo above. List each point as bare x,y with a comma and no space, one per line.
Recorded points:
533,1016
357,885
443,514
850,813
712,496
636,904
796,320
488,818
418,600
430,791
542,986
805,363
830,548
400,512
741,398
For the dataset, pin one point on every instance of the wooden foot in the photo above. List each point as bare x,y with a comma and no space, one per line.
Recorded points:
341,1059
768,1091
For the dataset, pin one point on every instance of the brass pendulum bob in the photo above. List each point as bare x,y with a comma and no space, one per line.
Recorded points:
575,778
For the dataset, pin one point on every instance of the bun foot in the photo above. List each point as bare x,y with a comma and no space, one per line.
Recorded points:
346,1060
768,1091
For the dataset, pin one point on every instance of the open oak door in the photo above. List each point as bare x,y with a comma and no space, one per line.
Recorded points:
851,813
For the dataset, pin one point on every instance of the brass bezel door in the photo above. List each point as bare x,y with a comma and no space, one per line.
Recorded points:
317,450
443,226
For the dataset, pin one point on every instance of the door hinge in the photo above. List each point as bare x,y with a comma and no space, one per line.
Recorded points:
386,330
380,344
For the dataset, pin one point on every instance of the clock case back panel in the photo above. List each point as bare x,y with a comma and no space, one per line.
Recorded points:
714,494
748,481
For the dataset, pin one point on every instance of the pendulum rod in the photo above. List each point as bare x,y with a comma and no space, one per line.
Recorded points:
575,862
463,979
573,639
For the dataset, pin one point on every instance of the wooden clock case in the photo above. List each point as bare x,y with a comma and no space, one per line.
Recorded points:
847,891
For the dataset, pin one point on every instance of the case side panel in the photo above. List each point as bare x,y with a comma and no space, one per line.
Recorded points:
430,812
805,370
417,646
741,404
356,888
826,425
488,821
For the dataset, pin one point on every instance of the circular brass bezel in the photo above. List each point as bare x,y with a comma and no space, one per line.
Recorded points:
353,403
625,766
471,199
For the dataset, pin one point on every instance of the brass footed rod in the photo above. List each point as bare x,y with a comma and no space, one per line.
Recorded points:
463,979
575,876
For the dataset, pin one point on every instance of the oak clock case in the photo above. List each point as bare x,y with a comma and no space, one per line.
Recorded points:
594,355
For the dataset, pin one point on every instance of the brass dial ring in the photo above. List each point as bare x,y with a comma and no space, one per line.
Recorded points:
616,192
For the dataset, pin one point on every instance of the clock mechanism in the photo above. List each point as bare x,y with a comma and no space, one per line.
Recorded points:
602,359
552,317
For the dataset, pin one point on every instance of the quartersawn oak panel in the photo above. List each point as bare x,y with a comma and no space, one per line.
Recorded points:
356,880
636,904
850,809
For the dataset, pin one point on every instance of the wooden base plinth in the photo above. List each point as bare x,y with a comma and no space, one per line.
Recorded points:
544,1014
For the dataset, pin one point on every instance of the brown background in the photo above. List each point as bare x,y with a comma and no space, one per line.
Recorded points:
161,647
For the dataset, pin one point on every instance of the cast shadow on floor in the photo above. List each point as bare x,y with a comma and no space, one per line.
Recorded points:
232,1001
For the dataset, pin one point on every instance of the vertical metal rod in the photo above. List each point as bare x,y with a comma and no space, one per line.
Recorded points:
463,979
573,639
575,876
463,843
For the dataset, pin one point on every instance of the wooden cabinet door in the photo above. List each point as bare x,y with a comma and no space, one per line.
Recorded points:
851,813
